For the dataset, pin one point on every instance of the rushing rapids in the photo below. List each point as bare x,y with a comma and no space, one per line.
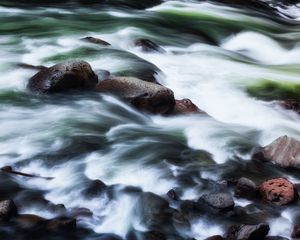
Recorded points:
149,120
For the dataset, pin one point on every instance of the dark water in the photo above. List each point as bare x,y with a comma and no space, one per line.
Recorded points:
215,55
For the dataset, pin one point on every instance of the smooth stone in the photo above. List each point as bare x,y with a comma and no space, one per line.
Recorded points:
147,45
97,41
63,77
284,151
248,232
186,106
8,210
219,201
146,96
245,188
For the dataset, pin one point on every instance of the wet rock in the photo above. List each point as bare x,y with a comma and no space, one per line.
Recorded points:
61,224
80,213
95,41
8,210
216,237
218,201
33,67
172,195
29,221
284,151
109,236
245,188
149,235
143,95
296,231
154,211
94,188
62,77
9,169
248,232
148,46
185,106
278,191
291,104
275,238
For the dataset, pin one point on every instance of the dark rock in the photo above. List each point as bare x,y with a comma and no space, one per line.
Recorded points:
218,201
149,46
172,195
30,221
296,231
94,188
61,224
284,151
245,188
248,232
216,237
149,235
278,191
9,169
186,106
80,212
109,236
95,41
63,77
291,104
29,66
143,95
154,211
8,210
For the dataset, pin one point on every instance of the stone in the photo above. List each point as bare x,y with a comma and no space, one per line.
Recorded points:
279,191
248,232
245,188
147,45
291,104
95,41
284,151
62,77
185,106
219,201
146,96
8,210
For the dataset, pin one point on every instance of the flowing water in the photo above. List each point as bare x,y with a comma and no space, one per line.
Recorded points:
213,54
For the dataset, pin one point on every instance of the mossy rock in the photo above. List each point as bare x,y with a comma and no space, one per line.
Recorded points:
272,90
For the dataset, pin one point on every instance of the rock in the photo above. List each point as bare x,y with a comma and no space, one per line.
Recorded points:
29,66
216,237
95,41
109,236
94,188
186,106
63,77
154,211
296,231
278,191
149,235
9,169
275,238
143,95
172,195
245,188
248,232
218,201
284,151
61,224
291,104
148,46
29,221
8,210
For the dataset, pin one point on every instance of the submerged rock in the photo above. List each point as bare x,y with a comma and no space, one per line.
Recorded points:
245,188
291,104
148,46
95,41
186,106
94,188
278,191
63,77
218,201
143,95
248,232
8,210
284,151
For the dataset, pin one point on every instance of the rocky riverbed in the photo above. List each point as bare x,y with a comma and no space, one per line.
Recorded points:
149,120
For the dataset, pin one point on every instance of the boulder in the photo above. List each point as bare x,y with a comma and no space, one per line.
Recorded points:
284,151
61,224
147,45
279,191
248,232
8,210
218,201
216,237
172,194
94,188
186,106
63,77
30,221
146,96
95,41
245,188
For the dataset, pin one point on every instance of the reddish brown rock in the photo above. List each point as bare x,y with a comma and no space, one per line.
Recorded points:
284,151
184,106
296,231
278,191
